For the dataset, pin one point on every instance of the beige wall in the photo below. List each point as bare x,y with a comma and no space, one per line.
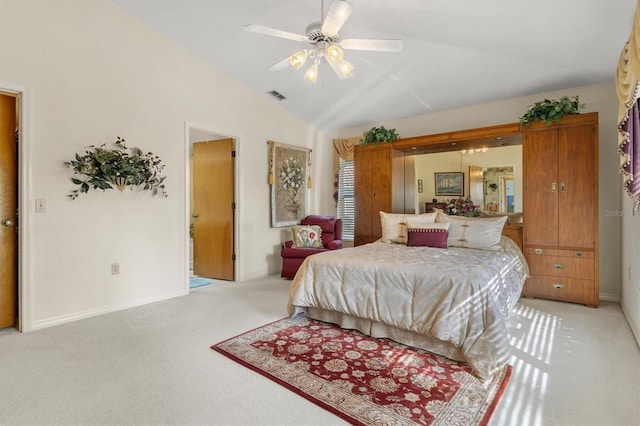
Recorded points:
599,97
91,72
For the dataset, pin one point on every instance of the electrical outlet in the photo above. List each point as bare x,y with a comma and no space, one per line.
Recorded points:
115,268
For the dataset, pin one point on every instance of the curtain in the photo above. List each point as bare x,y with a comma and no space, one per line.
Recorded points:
346,147
627,85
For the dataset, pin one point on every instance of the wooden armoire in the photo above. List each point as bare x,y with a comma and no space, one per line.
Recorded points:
379,185
560,171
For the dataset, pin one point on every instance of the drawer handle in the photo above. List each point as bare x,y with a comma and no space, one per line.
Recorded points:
558,286
538,251
558,265
579,253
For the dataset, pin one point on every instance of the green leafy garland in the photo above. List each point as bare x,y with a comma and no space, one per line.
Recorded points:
102,168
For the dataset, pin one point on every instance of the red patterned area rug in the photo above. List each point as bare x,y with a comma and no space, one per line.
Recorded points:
365,380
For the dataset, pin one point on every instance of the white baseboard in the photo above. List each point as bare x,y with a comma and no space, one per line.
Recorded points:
609,297
62,319
634,329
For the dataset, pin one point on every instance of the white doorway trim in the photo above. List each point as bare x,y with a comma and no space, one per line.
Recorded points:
236,195
24,206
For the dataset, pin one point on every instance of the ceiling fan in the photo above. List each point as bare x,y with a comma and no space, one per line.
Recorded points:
326,44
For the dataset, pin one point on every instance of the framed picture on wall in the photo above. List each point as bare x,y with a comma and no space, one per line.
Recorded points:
449,184
289,169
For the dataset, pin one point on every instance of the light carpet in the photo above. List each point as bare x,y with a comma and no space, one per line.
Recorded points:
365,380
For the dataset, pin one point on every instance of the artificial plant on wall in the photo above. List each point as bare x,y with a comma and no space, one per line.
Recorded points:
103,168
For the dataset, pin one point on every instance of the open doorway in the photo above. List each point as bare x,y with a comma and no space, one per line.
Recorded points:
212,208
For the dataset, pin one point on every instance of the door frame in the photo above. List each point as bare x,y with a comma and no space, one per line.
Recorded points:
187,201
24,205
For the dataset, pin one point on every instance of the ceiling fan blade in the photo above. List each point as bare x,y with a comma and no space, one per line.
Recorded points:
253,28
368,44
280,65
338,13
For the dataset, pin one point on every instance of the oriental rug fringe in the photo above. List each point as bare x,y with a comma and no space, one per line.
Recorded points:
365,380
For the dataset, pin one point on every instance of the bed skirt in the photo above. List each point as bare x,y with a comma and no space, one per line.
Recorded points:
376,329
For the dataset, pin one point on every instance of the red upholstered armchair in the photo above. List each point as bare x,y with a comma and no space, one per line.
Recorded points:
331,236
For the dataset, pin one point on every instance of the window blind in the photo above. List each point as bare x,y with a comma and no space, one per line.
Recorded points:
346,203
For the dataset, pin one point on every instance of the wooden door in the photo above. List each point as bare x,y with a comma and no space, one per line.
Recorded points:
213,209
577,166
8,213
540,176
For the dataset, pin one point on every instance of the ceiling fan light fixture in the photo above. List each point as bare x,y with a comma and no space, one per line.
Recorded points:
298,59
346,69
312,74
335,53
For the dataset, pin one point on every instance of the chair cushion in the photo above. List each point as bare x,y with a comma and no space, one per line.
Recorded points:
307,236
326,223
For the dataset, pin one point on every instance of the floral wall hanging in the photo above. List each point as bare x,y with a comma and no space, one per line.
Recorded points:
289,177
104,168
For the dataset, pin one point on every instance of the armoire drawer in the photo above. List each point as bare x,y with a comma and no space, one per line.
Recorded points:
561,263
560,288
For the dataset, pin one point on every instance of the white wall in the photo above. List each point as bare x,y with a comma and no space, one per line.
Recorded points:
91,72
599,97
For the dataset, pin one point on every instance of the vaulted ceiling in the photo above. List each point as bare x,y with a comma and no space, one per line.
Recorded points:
456,52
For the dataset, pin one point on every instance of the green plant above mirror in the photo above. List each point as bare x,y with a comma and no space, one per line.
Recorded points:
551,111
103,168
379,134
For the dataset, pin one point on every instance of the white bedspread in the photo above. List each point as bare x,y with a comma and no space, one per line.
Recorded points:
462,296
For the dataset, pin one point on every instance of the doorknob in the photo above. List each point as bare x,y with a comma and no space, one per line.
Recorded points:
8,223
194,215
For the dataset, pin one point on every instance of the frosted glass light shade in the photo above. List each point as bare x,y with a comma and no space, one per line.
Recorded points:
312,74
298,59
335,53
345,68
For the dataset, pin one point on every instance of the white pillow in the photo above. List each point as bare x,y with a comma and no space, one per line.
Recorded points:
394,225
474,232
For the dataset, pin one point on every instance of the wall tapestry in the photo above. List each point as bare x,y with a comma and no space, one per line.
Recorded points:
289,177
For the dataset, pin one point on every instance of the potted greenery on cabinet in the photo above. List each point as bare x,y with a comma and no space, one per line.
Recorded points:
379,134
551,111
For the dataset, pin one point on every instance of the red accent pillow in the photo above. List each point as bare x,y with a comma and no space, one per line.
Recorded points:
427,237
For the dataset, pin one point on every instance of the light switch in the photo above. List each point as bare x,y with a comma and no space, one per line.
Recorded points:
41,205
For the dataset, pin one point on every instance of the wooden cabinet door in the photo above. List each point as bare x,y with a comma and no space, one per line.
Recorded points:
540,175
577,171
372,190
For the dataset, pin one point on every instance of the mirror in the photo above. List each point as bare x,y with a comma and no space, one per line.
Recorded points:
492,177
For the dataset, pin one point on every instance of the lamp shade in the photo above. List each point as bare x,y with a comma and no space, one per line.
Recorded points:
312,74
335,53
298,59
345,68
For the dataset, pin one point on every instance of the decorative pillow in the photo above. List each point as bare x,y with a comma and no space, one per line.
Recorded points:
307,236
432,235
473,232
394,225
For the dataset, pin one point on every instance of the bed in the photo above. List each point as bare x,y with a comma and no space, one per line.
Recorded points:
453,301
